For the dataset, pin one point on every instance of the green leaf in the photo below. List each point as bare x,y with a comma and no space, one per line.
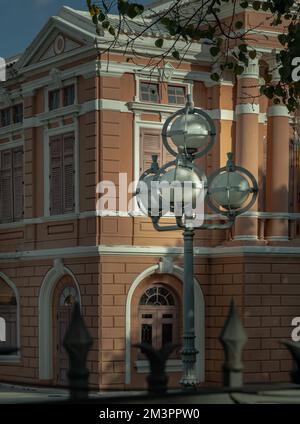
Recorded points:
159,43
95,19
243,58
176,55
134,10
238,70
101,17
215,77
265,6
105,24
238,24
244,4
112,31
269,92
243,48
278,91
282,38
252,54
122,6
256,5
214,51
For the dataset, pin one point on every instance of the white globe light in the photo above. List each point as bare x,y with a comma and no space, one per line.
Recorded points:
229,190
147,197
181,185
191,131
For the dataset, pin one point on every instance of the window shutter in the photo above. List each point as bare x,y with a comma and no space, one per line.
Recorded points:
151,144
6,187
56,183
68,173
167,157
18,182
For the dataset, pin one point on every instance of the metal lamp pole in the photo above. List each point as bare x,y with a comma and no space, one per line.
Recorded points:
227,190
189,350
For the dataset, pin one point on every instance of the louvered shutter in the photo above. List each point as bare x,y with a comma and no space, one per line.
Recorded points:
151,144
167,157
18,183
68,173
6,186
56,172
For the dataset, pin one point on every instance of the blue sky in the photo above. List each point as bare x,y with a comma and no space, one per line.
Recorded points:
21,20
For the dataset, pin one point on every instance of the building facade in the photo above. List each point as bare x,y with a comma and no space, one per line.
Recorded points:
73,116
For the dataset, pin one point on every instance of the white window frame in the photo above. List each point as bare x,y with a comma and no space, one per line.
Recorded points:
139,78
60,86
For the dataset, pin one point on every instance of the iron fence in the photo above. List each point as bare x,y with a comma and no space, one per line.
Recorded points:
77,342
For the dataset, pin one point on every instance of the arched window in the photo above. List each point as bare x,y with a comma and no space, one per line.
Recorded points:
68,296
8,315
158,317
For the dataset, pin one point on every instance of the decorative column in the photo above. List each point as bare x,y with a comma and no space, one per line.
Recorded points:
247,139
278,168
222,113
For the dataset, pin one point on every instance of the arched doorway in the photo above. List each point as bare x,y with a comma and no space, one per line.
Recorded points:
174,281
8,315
64,296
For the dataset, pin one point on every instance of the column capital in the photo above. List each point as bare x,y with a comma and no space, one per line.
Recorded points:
252,70
226,77
273,66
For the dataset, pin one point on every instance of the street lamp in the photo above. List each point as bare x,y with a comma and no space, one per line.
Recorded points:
229,192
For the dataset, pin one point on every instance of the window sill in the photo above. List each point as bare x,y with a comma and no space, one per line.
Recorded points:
60,112
11,128
173,365
10,359
153,107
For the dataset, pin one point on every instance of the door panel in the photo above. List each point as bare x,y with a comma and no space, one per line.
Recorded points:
62,362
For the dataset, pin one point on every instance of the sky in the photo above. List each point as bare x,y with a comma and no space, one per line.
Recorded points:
21,21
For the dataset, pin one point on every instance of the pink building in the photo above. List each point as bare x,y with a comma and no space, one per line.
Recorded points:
69,119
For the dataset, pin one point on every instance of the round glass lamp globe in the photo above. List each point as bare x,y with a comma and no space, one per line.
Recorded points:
229,190
148,201
191,131
182,185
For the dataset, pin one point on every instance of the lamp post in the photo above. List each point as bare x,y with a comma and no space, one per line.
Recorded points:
180,184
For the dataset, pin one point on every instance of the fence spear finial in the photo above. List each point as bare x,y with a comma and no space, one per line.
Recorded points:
77,342
294,349
233,338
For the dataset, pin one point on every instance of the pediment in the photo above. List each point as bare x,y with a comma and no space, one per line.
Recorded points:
55,40
59,44
56,44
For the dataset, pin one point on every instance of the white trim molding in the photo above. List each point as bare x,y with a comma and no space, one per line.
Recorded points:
246,237
278,110
246,108
119,250
199,322
277,238
45,316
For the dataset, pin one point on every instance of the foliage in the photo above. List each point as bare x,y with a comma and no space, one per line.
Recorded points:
232,44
